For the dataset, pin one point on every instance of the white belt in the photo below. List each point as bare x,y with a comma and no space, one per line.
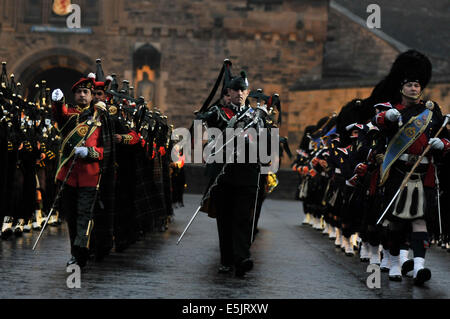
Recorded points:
413,158
337,170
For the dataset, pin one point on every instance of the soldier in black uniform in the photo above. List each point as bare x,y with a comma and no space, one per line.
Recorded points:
234,185
299,165
414,215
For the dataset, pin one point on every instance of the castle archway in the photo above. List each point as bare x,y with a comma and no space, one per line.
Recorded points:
60,68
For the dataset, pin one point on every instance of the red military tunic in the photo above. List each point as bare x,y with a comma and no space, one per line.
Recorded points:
86,171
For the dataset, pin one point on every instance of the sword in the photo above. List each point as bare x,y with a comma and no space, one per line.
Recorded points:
75,157
407,177
189,224
438,200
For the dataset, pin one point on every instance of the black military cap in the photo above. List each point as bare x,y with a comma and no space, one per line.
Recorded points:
239,83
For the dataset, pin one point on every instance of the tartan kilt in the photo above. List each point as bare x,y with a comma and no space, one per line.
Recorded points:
125,222
103,230
149,200
160,210
167,184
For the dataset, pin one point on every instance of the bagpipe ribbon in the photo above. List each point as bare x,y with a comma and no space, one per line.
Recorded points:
404,138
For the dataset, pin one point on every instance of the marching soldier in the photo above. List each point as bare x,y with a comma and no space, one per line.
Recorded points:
234,187
86,166
125,224
49,148
410,126
20,160
300,163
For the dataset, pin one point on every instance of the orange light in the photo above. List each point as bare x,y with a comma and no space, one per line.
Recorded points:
61,7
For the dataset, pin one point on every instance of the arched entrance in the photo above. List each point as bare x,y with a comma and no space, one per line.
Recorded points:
60,67
56,78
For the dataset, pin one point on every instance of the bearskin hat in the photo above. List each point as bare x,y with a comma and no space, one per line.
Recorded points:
408,66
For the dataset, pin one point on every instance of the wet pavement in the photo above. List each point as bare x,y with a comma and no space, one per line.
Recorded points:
291,262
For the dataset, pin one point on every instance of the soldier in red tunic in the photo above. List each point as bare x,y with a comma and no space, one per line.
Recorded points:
87,140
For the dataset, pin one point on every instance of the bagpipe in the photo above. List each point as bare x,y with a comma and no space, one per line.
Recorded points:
18,115
134,114
29,124
122,106
272,104
128,113
154,131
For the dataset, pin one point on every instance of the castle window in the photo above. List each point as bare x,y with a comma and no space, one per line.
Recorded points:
33,11
146,64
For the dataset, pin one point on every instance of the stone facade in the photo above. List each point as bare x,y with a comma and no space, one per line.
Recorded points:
314,57
277,42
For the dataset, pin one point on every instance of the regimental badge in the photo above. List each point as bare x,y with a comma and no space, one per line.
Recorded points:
112,110
429,105
82,130
410,132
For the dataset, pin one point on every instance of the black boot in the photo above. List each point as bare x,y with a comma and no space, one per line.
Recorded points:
243,267
223,269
